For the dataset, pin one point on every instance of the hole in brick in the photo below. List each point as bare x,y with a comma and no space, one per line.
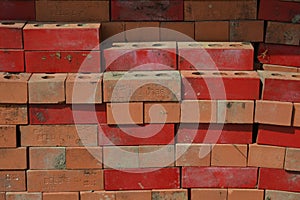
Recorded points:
162,74
235,45
38,25
246,43
135,45
157,45
215,45
296,76
7,23
11,77
117,45
58,25
80,24
276,74
219,73
84,77
48,77
198,73
240,73
139,75
194,44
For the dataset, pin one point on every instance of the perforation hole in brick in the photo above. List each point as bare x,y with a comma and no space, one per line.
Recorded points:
47,77
198,73
11,77
8,23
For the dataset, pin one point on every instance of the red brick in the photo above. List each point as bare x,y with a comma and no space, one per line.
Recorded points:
219,10
230,85
193,155
62,61
148,134
161,112
279,195
212,194
283,33
8,136
121,157
73,37
215,133
112,32
124,113
61,196
13,114
175,194
100,195
237,194
156,156
59,135
67,114
131,10
14,88
202,111
215,56
279,68
92,157
64,180
229,155
292,159
212,31
142,31
279,54
47,158
89,11
126,195
142,86
12,181
266,156
136,179
23,196
17,10
140,56
11,35
12,60
247,30
219,177
13,158
177,31
278,179
2,195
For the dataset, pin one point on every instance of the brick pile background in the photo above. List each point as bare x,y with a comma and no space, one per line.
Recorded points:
48,48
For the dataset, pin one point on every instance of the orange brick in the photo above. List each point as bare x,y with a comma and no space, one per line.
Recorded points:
247,30
280,195
47,88
156,156
193,155
61,196
179,31
136,33
211,194
127,195
296,121
212,31
8,136
23,196
273,112
92,157
113,32
47,158
121,157
162,112
229,155
12,181
279,68
175,194
13,114
124,113
84,88
245,194
13,88
236,112
292,159
13,158
202,111
99,195
266,156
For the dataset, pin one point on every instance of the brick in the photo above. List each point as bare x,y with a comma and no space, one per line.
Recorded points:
142,31
45,88
84,88
8,136
137,179
23,196
292,159
296,117
278,195
160,10
283,33
198,111
279,54
156,156
266,156
273,112
230,85
62,61
100,195
229,155
12,181
126,195
2,195
13,158
177,31
161,112
124,113
215,133
236,194
278,179
279,68
247,30
14,86
219,177
121,157
55,37
240,112
212,194
12,60
64,180
212,31
140,56
219,10
112,32
17,10
92,157
13,35
147,134
193,155
175,194
61,196
67,114
66,11
13,114
47,158
58,135
215,56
